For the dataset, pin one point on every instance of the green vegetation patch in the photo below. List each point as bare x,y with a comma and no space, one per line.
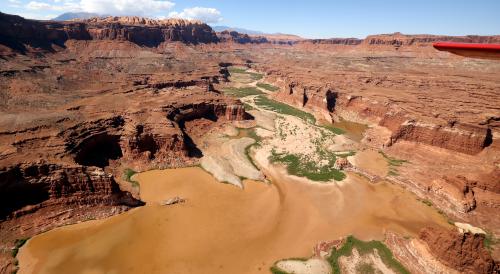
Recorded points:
333,129
237,70
253,75
392,172
365,248
250,132
345,155
269,104
365,268
248,107
277,270
267,86
242,92
490,241
392,161
253,134
427,202
18,244
127,174
301,166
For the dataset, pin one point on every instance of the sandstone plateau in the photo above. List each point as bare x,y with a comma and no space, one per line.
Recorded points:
81,101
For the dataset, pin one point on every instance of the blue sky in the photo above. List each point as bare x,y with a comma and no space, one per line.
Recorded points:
312,19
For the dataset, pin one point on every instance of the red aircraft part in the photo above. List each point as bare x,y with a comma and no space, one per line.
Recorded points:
484,51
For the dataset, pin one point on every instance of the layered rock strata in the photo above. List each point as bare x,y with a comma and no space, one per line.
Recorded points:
464,252
17,32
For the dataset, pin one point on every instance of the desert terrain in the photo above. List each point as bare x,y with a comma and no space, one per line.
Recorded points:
133,145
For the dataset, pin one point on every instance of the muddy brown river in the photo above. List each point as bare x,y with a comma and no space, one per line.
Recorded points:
224,229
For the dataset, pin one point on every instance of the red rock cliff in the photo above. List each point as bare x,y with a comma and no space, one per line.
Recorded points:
463,252
399,39
17,32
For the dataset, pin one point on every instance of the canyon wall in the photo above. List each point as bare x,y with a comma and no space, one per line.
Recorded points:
84,156
453,135
333,41
394,40
399,39
460,137
17,32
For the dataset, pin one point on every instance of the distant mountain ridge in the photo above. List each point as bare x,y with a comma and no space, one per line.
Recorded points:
76,15
240,30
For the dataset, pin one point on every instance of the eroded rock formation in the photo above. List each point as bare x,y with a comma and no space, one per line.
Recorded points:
463,252
240,38
17,32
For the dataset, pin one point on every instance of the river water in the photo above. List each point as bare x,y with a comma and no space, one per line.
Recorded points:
223,229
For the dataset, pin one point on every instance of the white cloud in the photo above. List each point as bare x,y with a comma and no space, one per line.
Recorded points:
147,8
207,15
127,7
34,5
64,7
37,16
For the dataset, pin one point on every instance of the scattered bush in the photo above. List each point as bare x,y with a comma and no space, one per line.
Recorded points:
242,92
300,166
253,75
364,248
18,244
127,174
269,104
268,87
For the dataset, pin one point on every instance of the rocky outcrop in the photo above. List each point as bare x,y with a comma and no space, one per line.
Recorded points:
464,194
18,33
463,138
342,164
184,113
28,187
150,145
464,252
148,32
415,256
240,38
